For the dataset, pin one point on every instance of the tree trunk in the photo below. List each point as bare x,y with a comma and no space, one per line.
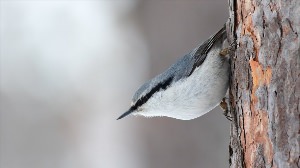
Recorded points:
265,83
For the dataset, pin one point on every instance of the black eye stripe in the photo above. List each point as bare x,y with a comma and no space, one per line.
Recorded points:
146,97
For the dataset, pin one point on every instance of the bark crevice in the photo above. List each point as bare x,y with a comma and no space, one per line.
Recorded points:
264,88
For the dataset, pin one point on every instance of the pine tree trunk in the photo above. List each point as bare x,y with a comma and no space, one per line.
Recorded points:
265,83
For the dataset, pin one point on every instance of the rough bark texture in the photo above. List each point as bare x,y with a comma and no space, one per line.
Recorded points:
265,83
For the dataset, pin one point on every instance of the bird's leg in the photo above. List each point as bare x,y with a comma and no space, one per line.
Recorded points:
224,107
223,103
229,49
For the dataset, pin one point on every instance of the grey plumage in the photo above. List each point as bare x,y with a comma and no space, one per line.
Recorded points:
181,71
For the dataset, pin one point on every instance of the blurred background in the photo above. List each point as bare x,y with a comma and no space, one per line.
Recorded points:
68,69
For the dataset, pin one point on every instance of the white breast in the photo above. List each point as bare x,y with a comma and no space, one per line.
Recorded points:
194,96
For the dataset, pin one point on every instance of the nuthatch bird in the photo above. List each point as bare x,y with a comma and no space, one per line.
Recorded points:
188,89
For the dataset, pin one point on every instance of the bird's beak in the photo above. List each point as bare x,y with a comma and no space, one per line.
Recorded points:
125,114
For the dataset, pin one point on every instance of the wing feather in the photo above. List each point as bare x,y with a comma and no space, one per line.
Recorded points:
200,54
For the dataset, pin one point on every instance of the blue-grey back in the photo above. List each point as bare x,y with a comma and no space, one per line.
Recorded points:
177,71
180,70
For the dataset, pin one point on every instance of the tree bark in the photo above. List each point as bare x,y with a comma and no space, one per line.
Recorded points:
265,83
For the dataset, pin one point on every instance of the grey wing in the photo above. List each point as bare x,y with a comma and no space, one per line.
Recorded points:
200,53
181,69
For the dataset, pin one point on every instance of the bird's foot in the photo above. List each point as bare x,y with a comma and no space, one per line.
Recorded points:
228,50
224,107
